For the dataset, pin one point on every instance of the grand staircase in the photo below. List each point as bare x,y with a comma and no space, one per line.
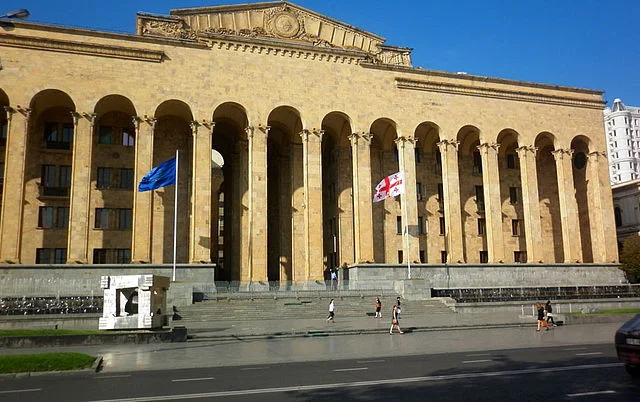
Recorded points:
239,307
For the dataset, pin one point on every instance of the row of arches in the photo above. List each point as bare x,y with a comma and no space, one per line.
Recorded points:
115,119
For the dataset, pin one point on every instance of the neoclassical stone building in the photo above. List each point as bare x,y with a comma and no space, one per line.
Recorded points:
308,115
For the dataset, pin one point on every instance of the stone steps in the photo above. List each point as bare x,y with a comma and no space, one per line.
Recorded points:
263,309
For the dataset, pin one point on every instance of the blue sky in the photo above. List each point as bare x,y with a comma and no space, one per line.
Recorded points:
586,43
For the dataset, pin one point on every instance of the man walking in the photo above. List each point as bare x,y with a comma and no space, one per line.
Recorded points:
331,309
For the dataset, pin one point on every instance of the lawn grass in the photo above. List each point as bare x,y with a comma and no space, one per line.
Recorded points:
46,332
45,362
612,311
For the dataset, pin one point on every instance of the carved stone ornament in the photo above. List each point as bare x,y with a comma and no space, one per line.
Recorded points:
165,28
284,23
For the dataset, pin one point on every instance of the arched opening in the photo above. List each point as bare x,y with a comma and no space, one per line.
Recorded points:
229,190
550,220
48,176
285,197
387,215
429,188
337,185
474,229
113,181
580,147
511,197
172,133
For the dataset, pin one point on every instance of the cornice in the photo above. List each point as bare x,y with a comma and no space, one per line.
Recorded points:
93,49
285,49
517,95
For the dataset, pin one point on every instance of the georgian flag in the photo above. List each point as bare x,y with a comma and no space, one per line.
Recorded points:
390,186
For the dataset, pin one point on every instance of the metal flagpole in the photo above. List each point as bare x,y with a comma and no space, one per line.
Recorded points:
175,219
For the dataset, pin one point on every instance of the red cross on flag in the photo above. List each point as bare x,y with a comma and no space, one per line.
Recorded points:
390,186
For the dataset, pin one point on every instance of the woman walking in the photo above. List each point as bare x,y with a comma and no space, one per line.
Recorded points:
541,321
395,321
378,308
549,311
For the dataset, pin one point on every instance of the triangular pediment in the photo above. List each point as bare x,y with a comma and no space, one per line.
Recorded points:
276,21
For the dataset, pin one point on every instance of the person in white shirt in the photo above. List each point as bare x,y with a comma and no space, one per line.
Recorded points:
331,309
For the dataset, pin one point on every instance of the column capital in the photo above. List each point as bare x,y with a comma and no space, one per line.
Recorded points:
144,119
597,154
265,129
444,144
25,111
402,140
305,134
355,137
203,123
523,150
559,154
487,146
91,117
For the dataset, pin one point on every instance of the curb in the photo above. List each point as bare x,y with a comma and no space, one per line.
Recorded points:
95,367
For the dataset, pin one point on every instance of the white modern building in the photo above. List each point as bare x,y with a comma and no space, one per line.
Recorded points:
622,125
626,202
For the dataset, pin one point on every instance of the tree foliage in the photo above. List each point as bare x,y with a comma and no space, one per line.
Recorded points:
630,258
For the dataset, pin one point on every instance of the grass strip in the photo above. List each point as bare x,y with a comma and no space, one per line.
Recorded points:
45,362
47,332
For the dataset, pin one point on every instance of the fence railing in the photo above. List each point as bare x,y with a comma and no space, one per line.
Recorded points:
474,295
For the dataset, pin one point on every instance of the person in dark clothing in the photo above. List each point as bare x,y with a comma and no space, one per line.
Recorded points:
549,311
541,322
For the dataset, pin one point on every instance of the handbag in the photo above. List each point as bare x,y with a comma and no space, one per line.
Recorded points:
394,321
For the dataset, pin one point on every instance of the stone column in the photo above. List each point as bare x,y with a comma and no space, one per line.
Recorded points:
571,242
452,208
142,202
313,219
603,230
257,269
200,247
13,193
409,200
362,196
531,203
79,210
241,240
492,202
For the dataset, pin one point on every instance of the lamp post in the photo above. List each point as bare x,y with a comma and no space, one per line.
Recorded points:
17,14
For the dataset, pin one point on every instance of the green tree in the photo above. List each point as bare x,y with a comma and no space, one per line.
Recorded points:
630,258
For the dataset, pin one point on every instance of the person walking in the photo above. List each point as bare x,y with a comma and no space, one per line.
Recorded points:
334,280
378,308
398,303
395,320
549,311
541,321
331,311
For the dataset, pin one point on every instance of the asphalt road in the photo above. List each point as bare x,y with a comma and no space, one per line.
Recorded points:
584,372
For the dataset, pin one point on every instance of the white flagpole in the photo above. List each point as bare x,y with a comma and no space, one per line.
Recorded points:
175,219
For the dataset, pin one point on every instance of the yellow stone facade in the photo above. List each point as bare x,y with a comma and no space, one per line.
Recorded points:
309,114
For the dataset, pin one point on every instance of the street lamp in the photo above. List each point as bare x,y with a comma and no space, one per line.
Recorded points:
19,14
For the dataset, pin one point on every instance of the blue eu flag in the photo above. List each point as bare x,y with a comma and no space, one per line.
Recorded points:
162,175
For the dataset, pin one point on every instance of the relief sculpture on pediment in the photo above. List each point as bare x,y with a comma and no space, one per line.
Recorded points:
168,29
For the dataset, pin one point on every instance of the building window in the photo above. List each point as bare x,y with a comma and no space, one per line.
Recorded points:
400,256
480,197
440,192
443,256
419,191
104,178
123,256
618,215
126,179
55,180
422,259
482,226
417,155
477,162
512,161
395,155
484,256
105,135
102,218
442,226
4,124
128,139
421,230
51,256
58,135
513,195
125,219
398,224
515,227
99,255
520,256
438,162
53,217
